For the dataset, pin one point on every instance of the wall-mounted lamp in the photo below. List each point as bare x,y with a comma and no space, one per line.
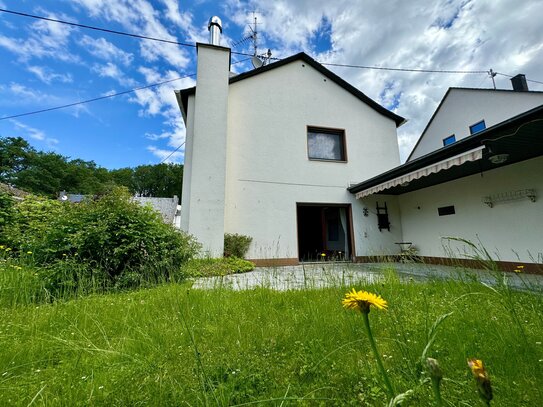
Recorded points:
498,158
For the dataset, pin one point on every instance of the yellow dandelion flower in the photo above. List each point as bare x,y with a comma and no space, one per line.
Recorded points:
482,379
2,246
362,300
29,252
323,254
520,267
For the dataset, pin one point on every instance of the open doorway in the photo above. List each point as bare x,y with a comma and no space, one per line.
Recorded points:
324,229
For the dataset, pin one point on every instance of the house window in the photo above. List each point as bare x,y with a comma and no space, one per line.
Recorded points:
326,144
446,210
449,140
477,127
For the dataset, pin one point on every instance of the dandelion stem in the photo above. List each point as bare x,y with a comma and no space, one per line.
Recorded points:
437,392
390,389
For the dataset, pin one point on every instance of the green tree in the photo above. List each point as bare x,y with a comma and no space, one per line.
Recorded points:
15,156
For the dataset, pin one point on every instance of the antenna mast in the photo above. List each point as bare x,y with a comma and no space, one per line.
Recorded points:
254,35
492,74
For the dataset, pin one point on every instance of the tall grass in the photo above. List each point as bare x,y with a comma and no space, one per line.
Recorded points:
174,345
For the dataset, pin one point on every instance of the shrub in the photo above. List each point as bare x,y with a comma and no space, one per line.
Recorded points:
236,245
107,243
217,267
6,212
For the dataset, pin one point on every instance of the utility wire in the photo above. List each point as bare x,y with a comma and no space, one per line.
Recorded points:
95,99
246,54
143,37
402,69
233,52
510,76
172,153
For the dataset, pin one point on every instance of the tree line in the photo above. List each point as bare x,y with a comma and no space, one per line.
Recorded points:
48,173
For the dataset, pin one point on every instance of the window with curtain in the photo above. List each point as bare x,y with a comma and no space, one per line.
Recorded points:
326,144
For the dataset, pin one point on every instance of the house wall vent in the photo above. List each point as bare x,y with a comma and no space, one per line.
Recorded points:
519,83
215,30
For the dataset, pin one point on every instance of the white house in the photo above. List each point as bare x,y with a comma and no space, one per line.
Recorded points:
270,154
484,187
304,163
466,111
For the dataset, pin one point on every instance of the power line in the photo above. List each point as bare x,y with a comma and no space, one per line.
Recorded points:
172,153
18,13
107,30
246,54
95,99
510,76
143,37
402,69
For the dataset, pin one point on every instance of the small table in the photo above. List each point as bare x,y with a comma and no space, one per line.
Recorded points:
404,246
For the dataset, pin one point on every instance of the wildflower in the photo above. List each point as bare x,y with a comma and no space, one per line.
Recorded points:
436,375
29,252
362,300
323,254
2,246
482,379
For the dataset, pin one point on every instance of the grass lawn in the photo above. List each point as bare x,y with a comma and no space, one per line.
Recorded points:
174,345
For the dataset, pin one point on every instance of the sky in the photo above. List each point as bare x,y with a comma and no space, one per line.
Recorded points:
46,64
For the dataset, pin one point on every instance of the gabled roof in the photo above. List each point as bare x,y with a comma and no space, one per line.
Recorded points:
520,136
183,95
480,90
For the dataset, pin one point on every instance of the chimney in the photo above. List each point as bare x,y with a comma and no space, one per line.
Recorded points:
204,180
215,30
519,83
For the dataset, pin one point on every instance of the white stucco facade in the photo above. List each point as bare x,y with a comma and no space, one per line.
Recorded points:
463,107
203,199
267,168
510,231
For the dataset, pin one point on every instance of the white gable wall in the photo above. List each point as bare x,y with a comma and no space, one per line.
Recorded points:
465,107
510,231
268,170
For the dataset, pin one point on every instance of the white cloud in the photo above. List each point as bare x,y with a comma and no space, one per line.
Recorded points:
45,40
47,76
504,35
22,92
110,70
139,16
34,133
103,49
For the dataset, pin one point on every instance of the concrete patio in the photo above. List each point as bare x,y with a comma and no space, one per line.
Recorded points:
318,275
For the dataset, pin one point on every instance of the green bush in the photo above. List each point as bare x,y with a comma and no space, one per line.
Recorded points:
217,267
6,212
236,245
107,243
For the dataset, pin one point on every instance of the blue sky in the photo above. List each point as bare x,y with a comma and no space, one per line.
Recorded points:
44,64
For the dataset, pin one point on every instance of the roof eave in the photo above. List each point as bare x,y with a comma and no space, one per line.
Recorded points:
443,153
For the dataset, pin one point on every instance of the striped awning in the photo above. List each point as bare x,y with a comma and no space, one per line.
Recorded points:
471,155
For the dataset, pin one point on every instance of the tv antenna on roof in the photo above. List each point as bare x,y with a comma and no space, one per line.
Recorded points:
257,60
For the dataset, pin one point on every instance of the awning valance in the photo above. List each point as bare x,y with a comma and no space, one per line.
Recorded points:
471,155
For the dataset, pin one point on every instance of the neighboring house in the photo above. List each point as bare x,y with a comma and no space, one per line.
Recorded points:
464,111
485,187
270,154
73,198
275,153
16,193
168,208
